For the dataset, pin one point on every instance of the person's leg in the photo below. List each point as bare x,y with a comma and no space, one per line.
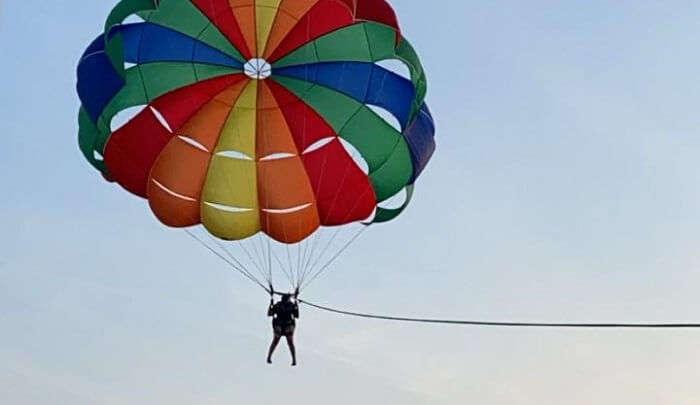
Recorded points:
292,349
273,346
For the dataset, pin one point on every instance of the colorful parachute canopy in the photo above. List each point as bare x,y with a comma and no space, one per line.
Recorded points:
257,115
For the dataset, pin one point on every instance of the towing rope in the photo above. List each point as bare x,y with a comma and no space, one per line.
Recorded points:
509,324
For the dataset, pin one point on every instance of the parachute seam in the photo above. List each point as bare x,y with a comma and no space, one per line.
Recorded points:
255,30
194,47
281,10
346,123
272,25
312,40
138,66
296,147
369,47
211,23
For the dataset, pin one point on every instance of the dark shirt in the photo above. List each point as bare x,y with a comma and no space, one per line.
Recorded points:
284,313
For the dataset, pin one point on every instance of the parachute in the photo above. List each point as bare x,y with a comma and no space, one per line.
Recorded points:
263,123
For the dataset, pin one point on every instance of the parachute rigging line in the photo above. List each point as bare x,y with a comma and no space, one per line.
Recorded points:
233,265
334,258
299,282
510,324
233,258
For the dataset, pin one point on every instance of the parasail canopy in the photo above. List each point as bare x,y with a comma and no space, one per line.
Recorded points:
274,117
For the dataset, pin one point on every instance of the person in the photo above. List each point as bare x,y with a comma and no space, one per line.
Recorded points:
283,313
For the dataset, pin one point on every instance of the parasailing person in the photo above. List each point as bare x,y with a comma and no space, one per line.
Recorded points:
284,314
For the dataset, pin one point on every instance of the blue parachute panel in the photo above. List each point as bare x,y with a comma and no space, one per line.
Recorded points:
365,82
420,136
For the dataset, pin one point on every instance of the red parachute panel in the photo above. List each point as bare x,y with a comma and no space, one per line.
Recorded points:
324,17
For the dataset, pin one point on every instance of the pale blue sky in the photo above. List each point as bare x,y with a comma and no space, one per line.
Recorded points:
566,186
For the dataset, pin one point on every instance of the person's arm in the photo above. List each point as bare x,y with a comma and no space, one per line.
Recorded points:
270,309
296,303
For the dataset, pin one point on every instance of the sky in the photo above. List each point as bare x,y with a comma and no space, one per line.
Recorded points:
565,187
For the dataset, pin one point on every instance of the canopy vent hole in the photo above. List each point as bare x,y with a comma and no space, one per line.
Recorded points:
257,69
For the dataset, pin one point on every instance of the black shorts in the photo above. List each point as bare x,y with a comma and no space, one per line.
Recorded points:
283,329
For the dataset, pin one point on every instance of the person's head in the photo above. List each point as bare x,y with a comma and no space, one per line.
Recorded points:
286,297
